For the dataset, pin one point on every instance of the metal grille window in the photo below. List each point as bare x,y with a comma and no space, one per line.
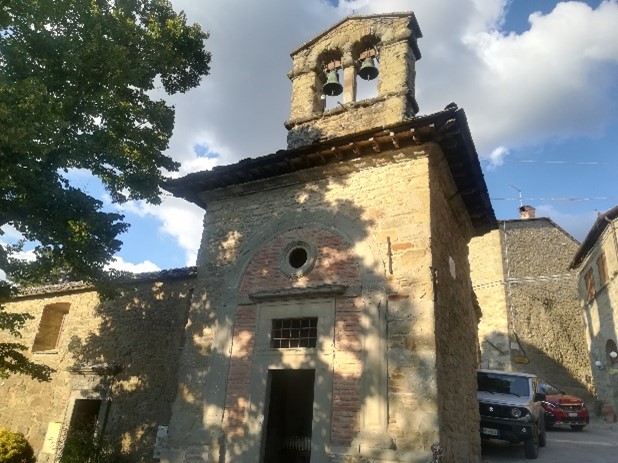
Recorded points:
294,332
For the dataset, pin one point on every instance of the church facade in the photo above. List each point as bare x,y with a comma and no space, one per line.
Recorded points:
333,318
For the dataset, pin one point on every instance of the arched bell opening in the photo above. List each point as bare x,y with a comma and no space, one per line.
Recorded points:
331,73
367,63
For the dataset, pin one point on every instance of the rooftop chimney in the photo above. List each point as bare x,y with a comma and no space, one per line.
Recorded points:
527,212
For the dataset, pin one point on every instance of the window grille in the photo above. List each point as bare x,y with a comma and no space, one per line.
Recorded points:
294,332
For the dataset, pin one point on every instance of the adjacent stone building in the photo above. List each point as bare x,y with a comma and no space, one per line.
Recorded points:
333,318
532,320
115,362
596,262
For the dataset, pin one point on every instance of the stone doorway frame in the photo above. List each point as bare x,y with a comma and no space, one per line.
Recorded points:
319,359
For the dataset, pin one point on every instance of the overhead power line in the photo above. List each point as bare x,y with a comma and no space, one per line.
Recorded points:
559,198
579,163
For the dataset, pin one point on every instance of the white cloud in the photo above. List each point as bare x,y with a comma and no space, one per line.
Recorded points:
496,157
120,264
197,164
178,218
519,90
510,84
552,81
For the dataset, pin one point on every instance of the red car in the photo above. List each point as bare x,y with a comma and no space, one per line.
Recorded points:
561,408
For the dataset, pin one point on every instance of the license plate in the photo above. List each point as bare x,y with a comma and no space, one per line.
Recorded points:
489,431
572,414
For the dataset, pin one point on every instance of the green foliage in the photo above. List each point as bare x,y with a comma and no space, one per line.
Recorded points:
14,448
88,446
76,82
12,359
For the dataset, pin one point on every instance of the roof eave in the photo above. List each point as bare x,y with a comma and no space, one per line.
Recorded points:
448,128
598,227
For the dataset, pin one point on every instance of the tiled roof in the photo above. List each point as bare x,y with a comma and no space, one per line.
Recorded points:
599,226
73,286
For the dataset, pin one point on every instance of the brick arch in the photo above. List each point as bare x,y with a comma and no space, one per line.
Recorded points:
372,269
335,262
365,42
346,256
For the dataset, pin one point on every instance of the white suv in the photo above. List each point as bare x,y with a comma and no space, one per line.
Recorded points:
511,410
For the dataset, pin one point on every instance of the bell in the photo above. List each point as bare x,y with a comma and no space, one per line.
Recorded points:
368,70
332,87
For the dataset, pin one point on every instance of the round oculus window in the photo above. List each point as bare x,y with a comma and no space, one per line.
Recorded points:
297,258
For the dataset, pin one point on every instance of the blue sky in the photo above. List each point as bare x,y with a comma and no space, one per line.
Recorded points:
537,79
563,163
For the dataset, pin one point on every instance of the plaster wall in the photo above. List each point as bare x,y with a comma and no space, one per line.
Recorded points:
601,315
489,286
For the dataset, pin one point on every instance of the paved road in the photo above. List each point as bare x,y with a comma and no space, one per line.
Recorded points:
596,443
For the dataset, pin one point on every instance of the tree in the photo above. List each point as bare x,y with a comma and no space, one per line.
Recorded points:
76,84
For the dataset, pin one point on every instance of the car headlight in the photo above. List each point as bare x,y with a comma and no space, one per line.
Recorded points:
515,412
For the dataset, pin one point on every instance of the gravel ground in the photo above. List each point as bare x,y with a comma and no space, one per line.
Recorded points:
596,443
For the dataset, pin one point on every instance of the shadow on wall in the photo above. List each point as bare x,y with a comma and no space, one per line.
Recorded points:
553,372
139,339
169,369
358,314
495,350
601,327
550,328
530,359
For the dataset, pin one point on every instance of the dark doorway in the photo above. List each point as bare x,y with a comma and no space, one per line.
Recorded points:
289,416
85,415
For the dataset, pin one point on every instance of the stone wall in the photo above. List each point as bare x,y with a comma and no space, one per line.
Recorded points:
537,297
370,222
394,37
456,319
123,351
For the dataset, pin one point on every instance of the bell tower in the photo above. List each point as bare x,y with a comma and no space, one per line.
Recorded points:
329,65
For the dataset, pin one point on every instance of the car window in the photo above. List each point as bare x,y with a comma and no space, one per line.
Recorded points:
550,390
503,384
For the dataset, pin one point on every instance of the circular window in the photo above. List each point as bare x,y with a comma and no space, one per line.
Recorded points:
297,259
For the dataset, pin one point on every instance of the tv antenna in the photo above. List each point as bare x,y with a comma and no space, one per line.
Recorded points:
521,196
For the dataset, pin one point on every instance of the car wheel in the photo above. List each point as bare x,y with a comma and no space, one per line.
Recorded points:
577,427
531,447
542,435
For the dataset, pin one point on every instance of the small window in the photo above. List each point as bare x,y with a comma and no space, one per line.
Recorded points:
294,332
589,280
50,327
297,258
602,267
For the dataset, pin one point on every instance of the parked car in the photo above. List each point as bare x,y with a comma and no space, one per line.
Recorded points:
561,408
511,410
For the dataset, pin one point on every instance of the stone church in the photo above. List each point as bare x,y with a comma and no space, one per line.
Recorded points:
333,318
